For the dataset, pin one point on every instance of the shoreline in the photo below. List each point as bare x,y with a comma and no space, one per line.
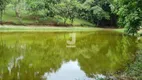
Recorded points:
13,28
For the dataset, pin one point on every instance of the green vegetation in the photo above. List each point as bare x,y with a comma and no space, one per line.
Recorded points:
123,13
2,8
8,28
9,17
134,70
130,14
33,26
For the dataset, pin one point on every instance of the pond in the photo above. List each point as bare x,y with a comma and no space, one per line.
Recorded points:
64,55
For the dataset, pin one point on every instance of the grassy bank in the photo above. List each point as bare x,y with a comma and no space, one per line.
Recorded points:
10,28
10,18
16,28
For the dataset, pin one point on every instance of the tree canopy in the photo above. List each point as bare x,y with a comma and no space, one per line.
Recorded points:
119,13
2,7
130,14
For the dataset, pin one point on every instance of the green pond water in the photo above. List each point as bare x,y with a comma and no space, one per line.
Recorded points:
64,56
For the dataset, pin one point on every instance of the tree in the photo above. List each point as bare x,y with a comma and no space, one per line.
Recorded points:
100,13
75,7
3,4
93,11
17,8
50,7
68,9
35,6
130,14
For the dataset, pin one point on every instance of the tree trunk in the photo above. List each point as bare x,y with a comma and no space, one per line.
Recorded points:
98,22
1,17
72,20
17,12
65,20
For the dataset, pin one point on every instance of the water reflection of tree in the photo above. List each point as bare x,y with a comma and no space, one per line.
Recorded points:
39,58
96,53
36,59
107,54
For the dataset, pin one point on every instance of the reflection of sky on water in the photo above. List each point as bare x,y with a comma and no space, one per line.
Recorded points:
68,71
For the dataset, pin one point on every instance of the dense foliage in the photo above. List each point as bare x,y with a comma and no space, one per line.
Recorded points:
2,7
127,13
130,14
